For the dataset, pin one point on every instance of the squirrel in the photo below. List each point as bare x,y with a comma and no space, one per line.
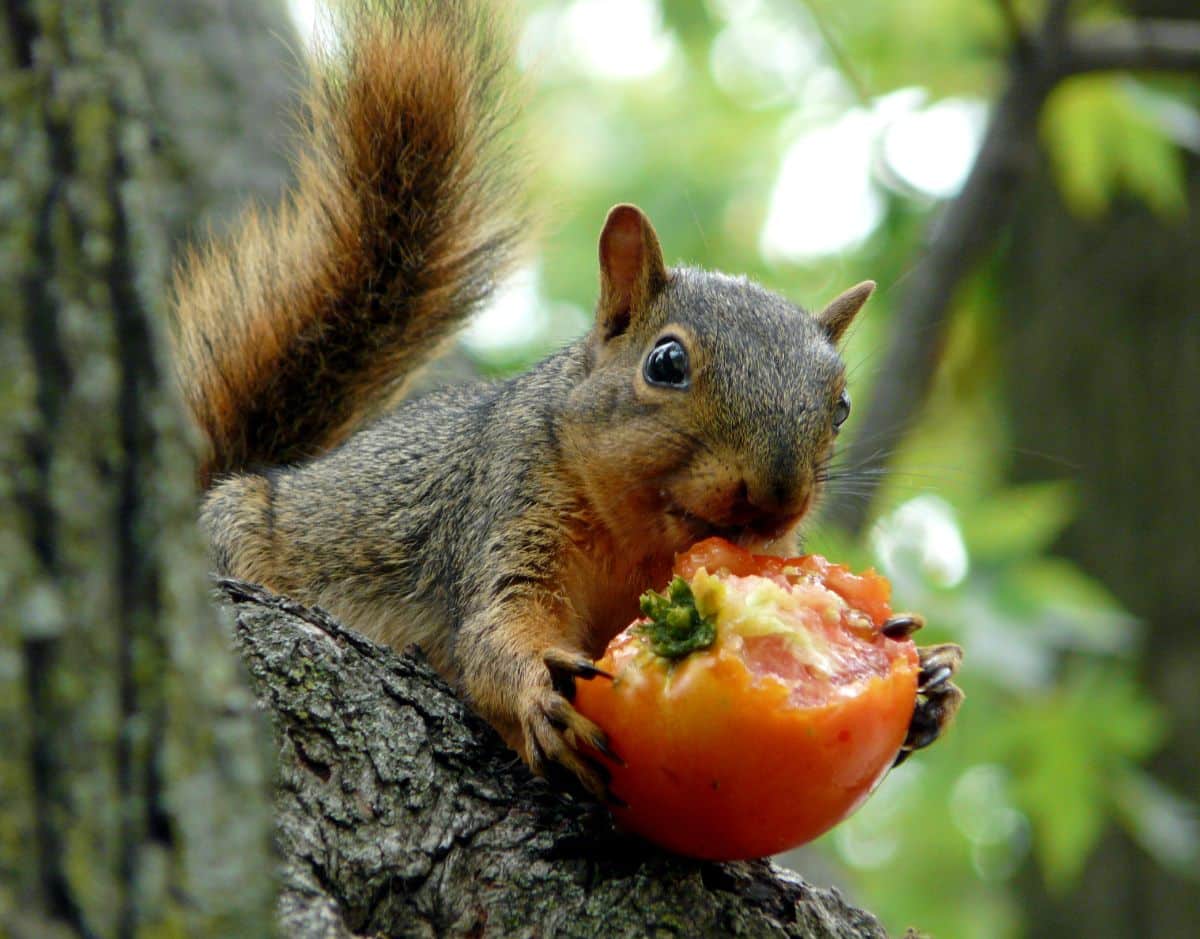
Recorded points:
507,529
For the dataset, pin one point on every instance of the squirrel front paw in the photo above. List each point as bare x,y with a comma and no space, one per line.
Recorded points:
938,697
555,733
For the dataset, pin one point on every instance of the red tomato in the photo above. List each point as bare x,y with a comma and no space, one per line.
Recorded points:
775,732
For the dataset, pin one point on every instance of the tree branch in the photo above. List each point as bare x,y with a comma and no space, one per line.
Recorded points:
957,238
1018,36
968,225
1142,45
401,813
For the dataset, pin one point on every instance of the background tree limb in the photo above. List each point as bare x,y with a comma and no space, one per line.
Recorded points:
1140,45
969,225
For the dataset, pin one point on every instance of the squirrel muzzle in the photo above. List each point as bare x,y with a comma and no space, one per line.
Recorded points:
769,514
753,508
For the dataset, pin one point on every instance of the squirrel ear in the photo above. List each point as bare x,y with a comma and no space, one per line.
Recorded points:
632,271
842,309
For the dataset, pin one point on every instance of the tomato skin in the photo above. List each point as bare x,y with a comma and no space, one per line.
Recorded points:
718,763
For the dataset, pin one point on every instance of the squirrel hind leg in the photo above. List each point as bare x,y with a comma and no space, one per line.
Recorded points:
239,519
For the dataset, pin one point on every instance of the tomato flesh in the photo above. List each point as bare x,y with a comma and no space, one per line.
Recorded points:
774,733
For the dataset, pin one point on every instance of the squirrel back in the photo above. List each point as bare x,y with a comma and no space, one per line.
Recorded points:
310,318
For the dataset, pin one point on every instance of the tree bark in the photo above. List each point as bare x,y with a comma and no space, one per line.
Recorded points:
134,781
400,813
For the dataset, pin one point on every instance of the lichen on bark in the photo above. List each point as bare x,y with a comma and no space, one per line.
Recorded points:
134,772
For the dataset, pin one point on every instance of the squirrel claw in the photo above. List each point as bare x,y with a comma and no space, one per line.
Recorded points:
902,625
938,665
554,733
566,666
938,698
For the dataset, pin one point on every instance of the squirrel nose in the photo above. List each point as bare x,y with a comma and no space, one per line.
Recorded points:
771,497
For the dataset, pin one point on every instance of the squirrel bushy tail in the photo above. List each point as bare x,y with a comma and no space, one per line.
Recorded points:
309,318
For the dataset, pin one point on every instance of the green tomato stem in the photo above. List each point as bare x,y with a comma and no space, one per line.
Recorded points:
676,628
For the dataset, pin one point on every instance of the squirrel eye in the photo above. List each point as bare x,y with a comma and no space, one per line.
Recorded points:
667,364
841,411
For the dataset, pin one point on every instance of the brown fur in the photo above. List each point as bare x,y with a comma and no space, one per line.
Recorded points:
403,216
499,526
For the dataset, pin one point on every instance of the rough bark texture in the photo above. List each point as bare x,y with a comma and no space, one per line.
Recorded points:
134,781
402,814
221,81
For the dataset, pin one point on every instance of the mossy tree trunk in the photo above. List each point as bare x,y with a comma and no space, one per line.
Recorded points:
134,771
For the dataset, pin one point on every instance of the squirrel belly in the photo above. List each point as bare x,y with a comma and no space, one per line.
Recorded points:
507,528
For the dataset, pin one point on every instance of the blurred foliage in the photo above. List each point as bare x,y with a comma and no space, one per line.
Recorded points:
1104,140
1047,749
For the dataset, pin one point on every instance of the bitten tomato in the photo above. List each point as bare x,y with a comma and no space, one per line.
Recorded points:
774,732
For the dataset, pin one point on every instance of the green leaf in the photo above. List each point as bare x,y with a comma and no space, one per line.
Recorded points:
1071,750
1102,143
1165,823
1069,607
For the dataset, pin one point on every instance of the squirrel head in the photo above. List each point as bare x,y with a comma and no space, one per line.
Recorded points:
710,403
